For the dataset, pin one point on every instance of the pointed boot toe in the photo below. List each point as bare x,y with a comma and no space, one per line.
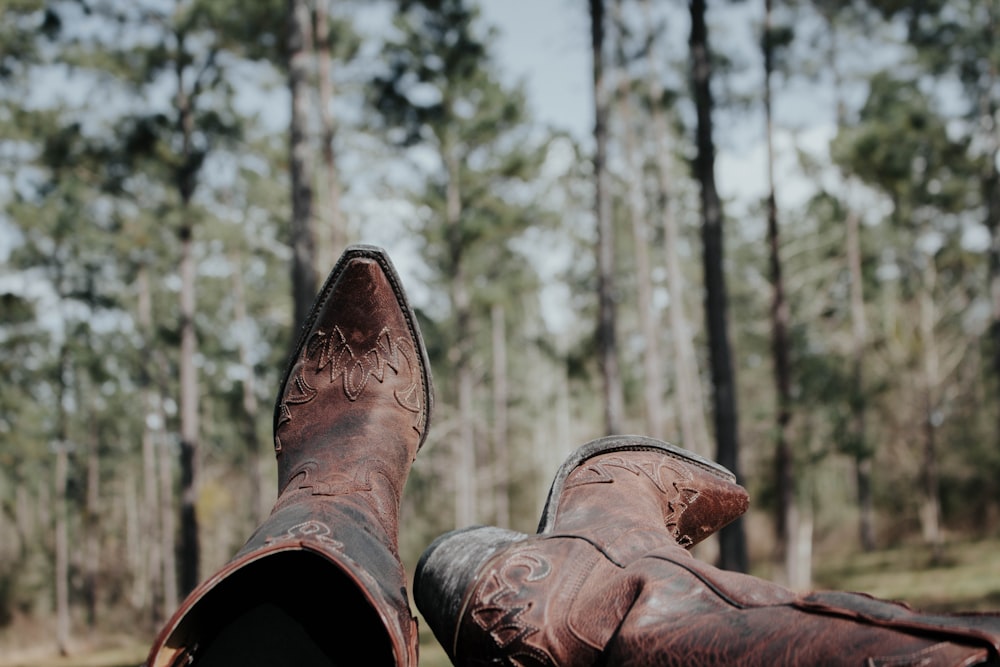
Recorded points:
324,568
630,493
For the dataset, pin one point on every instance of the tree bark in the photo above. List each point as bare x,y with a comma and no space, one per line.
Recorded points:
652,389
501,458
859,336
302,234
990,186
190,546
859,328
168,523
607,344
150,596
733,551
687,378
930,513
61,509
249,404
62,549
466,492
92,520
186,182
335,227
788,513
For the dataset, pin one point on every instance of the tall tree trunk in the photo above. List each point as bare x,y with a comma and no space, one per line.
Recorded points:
335,226
930,513
190,547
990,186
466,510
860,447
687,378
62,548
168,523
92,521
641,237
150,595
186,183
733,551
501,458
858,437
787,515
302,235
607,343
260,489
60,481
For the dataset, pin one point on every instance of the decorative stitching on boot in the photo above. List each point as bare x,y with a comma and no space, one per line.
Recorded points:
497,611
311,530
332,350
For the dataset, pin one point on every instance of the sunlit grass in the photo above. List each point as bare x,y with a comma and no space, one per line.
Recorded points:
964,576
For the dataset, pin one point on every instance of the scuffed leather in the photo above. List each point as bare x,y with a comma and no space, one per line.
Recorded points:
692,614
609,582
627,501
351,413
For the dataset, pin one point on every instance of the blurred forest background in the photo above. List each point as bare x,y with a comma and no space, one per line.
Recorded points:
176,177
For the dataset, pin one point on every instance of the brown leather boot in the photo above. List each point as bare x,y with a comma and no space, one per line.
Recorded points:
320,581
597,586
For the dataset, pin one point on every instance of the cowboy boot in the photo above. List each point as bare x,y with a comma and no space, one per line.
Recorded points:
320,581
494,596
597,586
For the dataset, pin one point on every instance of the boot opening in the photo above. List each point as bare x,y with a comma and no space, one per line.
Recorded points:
291,608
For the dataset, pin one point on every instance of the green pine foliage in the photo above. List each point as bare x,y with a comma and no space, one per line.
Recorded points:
495,220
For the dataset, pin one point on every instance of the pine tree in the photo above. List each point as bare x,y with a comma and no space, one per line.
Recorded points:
440,91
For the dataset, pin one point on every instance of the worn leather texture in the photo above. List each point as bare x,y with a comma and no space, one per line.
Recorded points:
352,411
609,582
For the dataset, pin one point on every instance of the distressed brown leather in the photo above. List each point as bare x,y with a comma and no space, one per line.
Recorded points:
626,493
601,584
352,411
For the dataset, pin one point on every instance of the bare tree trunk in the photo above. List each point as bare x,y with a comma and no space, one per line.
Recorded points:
302,234
859,331
260,488
687,378
466,510
335,227
92,541
62,548
641,237
930,514
168,525
190,547
733,551
150,595
990,186
186,176
501,458
788,512
136,545
60,503
606,325
859,336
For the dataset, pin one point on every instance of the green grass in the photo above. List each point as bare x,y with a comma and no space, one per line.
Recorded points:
963,576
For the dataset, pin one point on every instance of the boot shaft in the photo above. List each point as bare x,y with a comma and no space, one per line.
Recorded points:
355,400
351,413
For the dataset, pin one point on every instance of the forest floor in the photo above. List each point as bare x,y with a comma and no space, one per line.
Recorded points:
961,576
